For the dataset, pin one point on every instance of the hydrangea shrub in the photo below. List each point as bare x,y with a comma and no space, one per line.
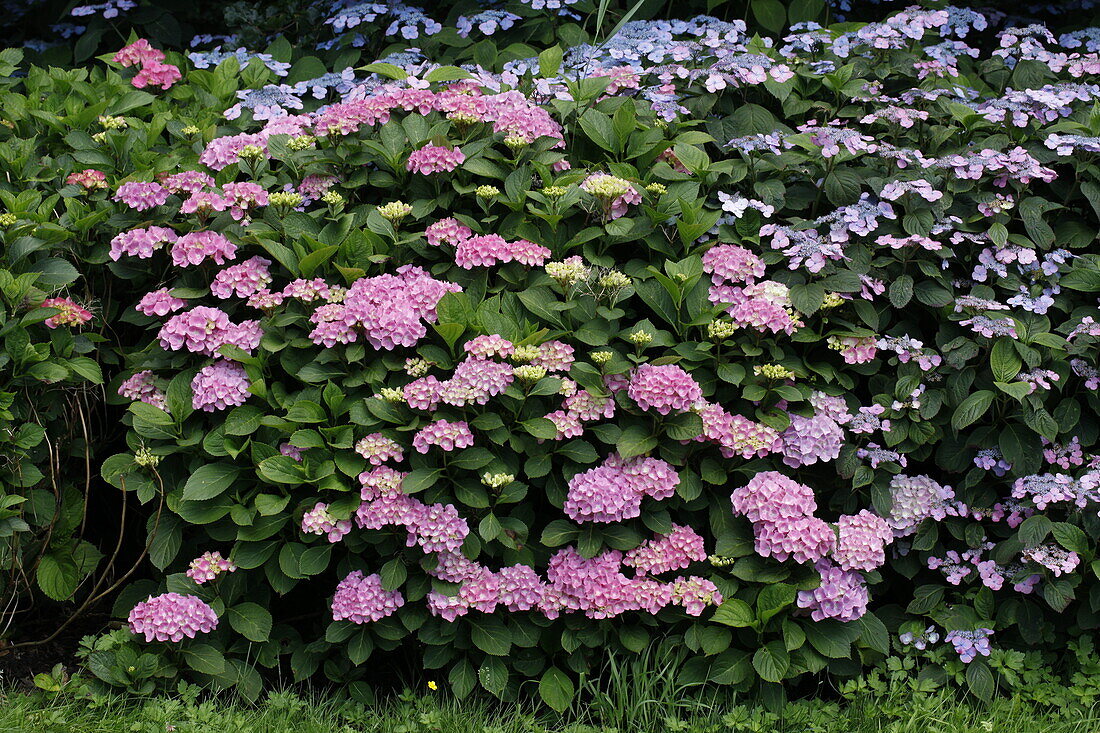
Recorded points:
785,348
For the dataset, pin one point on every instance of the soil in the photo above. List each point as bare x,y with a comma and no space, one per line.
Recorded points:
19,664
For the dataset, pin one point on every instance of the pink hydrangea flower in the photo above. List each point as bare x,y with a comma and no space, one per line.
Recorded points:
361,599
447,435
450,231
160,303
89,179
156,74
137,53
434,159
243,280
862,541
244,197
142,387
319,520
665,388
141,243
674,551
171,616
770,496
218,386
141,195
195,247
71,314
842,594
209,566
378,449
203,203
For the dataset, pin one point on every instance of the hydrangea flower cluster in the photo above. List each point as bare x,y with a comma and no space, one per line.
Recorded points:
666,388
361,599
209,566
614,490
171,617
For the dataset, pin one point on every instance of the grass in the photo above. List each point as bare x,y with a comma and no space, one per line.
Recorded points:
286,712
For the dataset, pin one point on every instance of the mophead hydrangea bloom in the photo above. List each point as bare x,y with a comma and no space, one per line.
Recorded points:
665,388
731,263
141,243
361,599
861,542
614,491
842,594
673,551
220,385
445,434
208,566
802,539
194,248
171,617
69,313
434,159
378,449
243,279
808,440
160,303
141,195
319,520
770,496
142,387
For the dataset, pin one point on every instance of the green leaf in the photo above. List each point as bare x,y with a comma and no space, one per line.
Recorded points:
1004,360
901,291
209,481
635,441
1034,530
979,680
393,574
684,426
541,427
770,14
772,661
734,612
556,689
832,638
490,635
282,470
550,62
204,658
773,599
251,620
57,576
597,126
972,408
1070,537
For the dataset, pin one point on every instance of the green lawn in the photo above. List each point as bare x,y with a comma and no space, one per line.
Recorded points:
437,713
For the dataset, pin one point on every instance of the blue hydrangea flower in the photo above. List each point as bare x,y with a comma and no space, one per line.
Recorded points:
109,9
273,100
487,21
342,82
210,59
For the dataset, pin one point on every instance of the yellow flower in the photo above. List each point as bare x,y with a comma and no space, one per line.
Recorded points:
432,685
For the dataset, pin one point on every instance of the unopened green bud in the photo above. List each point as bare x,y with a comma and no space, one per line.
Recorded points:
523,354
301,142
251,152
529,373
389,394
395,211
289,199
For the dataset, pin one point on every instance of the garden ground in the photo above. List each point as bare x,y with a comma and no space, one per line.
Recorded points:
435,712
